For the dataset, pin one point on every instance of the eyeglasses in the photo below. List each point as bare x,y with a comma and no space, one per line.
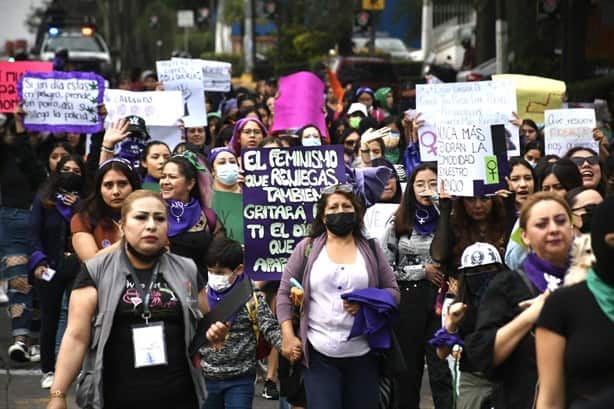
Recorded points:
587,208
349,142
592,160
254,132
339,187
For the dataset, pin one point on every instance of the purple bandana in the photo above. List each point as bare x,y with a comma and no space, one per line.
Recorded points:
65,211
425,219
543,274
214,297
182,216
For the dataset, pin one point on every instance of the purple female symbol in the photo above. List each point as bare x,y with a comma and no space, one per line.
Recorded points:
432,144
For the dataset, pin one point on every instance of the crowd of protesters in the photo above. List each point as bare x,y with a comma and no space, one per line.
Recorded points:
508,298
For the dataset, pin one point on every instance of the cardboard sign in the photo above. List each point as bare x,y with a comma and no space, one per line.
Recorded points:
568,128
472,160
10,73
480,103
216,74
62,101
279,195
377,217
300,102
535,94
157,108
186,75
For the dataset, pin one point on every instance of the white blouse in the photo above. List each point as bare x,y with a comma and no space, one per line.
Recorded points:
329,324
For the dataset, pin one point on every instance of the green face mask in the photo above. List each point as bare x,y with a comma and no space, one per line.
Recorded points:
355,121
393,155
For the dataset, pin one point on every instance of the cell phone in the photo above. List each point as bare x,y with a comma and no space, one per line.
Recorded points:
48,274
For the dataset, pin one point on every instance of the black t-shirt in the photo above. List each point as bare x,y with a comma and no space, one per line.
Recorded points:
573,313
194,244
163,386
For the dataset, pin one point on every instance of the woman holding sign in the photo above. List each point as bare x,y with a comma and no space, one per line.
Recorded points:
336,259
132,316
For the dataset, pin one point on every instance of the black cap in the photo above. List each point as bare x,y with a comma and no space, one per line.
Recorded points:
136,124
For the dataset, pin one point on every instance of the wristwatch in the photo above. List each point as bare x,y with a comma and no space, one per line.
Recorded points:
57,394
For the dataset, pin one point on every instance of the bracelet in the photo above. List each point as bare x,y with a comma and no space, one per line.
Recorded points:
107,150
57,394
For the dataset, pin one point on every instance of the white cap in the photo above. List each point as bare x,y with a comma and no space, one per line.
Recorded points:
358,107
480,254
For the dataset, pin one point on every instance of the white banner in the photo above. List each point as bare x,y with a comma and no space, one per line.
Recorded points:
216,74
377,217
568,128
157,108
186,75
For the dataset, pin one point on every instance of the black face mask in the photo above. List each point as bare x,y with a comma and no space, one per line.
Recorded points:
69,181
340,224
587,219
143,258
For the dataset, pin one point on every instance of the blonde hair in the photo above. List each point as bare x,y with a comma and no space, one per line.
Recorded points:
535,198
136,195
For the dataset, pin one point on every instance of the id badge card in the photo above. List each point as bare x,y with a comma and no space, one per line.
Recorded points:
149,345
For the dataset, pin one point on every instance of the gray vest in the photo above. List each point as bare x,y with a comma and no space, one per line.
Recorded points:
109,273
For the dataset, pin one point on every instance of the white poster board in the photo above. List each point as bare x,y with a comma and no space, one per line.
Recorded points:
185,75
157,108
377,217
482,103
216,74
568,128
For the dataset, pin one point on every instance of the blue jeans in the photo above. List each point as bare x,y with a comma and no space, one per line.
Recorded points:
341,383
14,252
235,393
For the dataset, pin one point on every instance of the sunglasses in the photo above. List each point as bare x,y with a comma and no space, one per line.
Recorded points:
592,160
339,187
588,208
350,142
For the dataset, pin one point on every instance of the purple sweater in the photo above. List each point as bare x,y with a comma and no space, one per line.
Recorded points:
378,269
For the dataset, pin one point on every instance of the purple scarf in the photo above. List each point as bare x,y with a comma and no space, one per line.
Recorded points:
543,274
182,216
65,211
214,297
425,219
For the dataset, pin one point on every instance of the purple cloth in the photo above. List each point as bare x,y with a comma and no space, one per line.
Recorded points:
369,183
411,157
235,141
182,216
216,151
425,219
378,310
443,338
543,273
36,259
214,297
63,209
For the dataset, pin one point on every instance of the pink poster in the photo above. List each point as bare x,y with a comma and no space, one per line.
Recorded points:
300,102
10,72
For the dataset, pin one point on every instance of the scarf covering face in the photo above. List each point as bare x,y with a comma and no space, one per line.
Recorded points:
603,293
603,215
214,297
182,216
65,211
543,274
425,219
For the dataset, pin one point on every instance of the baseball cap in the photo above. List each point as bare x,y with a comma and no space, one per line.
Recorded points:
357,107
480,254
136,124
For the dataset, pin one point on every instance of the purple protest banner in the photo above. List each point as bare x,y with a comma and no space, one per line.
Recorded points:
62,101
282,186
300,102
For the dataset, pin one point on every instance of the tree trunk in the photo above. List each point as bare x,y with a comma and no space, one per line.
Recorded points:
485,46
574,17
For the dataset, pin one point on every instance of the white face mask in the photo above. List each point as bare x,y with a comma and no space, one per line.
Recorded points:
227,173
312,142
219,282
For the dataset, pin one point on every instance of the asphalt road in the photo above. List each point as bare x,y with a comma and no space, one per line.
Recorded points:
20,383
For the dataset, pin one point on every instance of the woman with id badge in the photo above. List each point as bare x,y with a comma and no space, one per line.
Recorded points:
133,313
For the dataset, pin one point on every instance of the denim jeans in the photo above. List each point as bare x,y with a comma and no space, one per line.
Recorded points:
14,252
342,383
235,393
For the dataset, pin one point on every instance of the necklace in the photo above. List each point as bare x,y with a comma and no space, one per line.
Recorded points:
177,215
424,219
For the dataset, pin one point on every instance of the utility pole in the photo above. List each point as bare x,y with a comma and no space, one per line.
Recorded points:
248,36
427,28
501,38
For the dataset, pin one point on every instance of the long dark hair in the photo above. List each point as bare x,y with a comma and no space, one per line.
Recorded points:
404,216
317,226
565,171
94,206
142,171
49,189
601,186
520,161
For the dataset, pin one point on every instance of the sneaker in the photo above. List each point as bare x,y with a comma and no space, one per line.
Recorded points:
18,351
4,298
34,353
47,380
269,391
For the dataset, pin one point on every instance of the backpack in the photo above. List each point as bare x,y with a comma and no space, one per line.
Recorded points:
263,347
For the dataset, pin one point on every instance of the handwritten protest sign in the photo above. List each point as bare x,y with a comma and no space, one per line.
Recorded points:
472,160
535,94
186,75
157,108
482,103
216,74
10,72
279,195
568,128
62,101
377,217
300,102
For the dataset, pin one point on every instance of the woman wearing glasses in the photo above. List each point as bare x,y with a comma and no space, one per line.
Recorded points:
582,202
587,161
335,259
248,133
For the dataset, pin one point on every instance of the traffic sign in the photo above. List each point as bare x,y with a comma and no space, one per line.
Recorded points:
185,18
373,4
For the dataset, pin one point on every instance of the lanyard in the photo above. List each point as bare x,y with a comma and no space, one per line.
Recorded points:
145,295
